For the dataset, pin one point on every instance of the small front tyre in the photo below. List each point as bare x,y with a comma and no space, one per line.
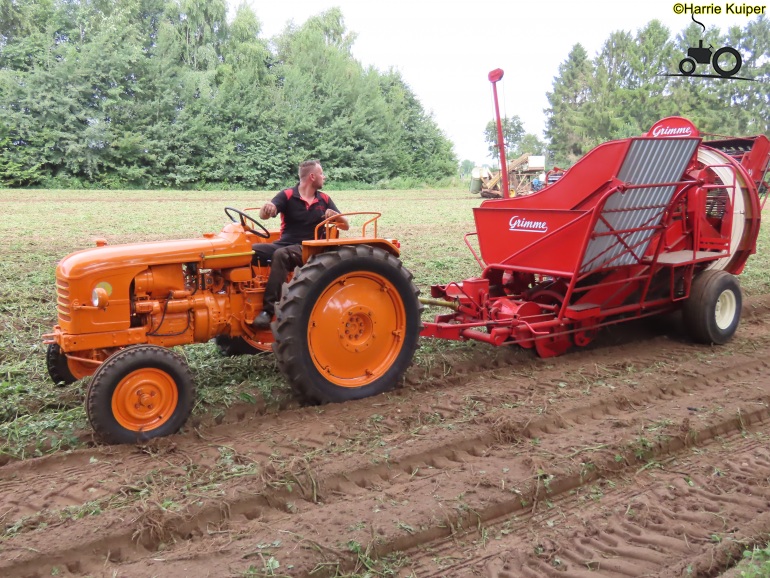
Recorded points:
139,393
713,311
58,367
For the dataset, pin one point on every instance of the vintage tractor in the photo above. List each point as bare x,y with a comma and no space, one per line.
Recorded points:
702,55
638,227
347,326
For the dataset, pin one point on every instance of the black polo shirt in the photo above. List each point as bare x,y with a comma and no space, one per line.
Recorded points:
299,218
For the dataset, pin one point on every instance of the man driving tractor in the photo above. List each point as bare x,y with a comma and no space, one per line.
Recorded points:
302,208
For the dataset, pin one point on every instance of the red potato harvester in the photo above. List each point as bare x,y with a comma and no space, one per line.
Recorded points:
637,227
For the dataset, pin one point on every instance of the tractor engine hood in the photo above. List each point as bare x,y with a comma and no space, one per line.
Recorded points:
107,259
81,276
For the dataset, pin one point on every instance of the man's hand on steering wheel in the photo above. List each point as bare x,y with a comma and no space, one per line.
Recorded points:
243,217
268,211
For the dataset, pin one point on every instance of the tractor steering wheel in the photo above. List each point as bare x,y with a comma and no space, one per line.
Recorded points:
264,233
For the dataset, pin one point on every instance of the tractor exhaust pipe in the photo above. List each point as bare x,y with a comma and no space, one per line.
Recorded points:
494,77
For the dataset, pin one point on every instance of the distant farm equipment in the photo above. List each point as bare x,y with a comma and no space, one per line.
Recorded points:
526,174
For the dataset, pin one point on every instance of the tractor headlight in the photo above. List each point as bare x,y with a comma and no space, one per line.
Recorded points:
99,297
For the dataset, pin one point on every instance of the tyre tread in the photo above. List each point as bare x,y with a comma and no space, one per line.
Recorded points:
56,364
698,308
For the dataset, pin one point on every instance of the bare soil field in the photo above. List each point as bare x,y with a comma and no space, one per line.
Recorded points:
643,455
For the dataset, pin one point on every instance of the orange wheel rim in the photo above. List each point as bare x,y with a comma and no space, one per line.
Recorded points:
356,329
145,399
79,369
257,343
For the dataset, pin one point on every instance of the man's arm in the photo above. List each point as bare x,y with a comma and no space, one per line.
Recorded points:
272,208
340,222
268,210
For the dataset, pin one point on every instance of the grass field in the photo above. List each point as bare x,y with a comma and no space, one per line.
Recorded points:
39,227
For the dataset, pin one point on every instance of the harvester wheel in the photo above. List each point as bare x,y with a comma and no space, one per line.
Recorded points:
141,392
713,310
347,325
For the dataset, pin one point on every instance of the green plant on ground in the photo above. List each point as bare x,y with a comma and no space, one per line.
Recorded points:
756,562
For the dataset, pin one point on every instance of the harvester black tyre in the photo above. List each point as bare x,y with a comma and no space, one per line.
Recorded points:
233,346
56,363
713,310
342,312
120,397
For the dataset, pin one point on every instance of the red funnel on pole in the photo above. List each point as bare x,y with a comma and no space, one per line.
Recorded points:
494,77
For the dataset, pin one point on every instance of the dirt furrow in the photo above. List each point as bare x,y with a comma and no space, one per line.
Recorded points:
344,485
441,473
681,517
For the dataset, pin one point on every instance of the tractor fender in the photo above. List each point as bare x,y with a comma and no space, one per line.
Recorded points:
310,248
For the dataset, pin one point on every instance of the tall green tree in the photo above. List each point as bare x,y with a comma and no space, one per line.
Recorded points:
566,116
625,88
168,93
513,131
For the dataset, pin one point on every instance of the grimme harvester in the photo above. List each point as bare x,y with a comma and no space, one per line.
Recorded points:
637,227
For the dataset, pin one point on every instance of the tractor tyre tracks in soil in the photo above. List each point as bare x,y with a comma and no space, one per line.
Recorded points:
648,456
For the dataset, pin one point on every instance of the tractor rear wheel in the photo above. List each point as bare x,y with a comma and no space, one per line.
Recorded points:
141,392
347,325
713,310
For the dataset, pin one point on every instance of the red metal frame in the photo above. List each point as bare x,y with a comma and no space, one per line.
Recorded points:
593,249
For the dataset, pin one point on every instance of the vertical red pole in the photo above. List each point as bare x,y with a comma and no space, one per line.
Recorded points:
494,77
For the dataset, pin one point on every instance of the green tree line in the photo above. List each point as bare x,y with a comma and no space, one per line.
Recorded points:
169,93
622,91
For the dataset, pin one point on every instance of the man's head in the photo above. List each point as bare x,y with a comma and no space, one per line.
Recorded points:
311,172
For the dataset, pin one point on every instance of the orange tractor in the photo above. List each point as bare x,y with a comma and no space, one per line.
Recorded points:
347,326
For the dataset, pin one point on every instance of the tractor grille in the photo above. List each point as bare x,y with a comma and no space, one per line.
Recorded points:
63,300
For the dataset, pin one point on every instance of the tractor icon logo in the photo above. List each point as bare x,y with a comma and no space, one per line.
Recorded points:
702,55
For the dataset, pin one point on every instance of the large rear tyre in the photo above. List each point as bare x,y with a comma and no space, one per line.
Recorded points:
713,311
141,392
347,325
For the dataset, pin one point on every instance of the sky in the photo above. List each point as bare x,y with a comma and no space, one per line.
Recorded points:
444,49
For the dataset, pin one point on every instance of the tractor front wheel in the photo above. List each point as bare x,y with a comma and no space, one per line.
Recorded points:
713,310
58,368
141,392
65,370
347,325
